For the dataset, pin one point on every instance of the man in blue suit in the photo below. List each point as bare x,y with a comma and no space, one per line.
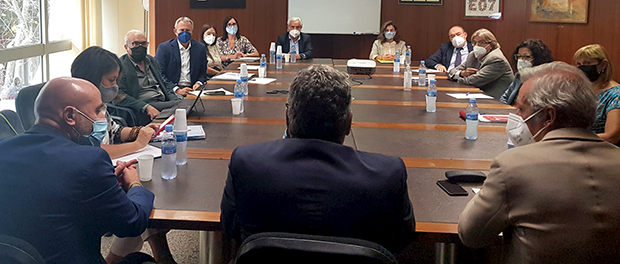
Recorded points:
451,54
183,61
311,183
302,41
61,196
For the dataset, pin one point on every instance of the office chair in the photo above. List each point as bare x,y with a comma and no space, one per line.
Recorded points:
17,251
24,104
127,115
300,248
10,125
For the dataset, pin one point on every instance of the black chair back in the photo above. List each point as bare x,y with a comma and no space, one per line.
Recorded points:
299,248
10,125
24,104
17,251
126,114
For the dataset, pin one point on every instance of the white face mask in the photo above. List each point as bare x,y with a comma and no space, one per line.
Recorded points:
210,39
479,52
294,33
458,42
518,131
522,64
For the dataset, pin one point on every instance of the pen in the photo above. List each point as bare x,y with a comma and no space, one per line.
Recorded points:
163,125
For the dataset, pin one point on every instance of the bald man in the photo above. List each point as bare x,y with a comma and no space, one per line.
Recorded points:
61,195
451,54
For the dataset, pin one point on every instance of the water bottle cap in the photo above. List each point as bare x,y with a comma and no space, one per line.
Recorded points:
408,47
422,62
397,52
239,81
168,128
433,81
472,100
262,55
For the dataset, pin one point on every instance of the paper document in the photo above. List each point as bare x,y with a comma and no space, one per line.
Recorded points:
470,95
261,80
193,132
155,151
251,67
493,118
385,61
247,59
427,71
230,76
207,93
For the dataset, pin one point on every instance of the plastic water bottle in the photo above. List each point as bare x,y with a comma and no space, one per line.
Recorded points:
279,58
423,65
262,71
239,93
422,77
431,97
472,120
408,56
397,62
169,155
272,53
407,79
243,75
293,53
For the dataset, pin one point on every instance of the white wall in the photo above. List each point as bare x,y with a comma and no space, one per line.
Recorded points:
120,16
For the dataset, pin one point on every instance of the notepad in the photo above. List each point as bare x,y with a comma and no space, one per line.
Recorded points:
261,80
193,132
251,67
230,76
427,71
247,59
155,151
469,95
207,93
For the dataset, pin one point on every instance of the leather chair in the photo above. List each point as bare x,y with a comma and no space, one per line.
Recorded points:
300,248
24,104
10,125
17,251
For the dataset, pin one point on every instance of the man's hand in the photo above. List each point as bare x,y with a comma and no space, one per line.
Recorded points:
183,91
468,72
144,136
298,57
196,86
152,111
441,68
126,173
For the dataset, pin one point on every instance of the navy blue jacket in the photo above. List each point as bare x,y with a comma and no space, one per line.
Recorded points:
444,55
169,58
62,197
317,187
305,45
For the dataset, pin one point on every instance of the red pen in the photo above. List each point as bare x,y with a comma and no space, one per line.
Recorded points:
163,125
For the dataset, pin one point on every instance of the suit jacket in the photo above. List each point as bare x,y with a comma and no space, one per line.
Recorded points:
556,201
444,55
304,47
312,186
129,87
62,197
494,73
169,58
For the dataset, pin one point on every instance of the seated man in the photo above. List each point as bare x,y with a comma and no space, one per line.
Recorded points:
60,196
302,41
183,61
556,200
311,183
451,54
142,87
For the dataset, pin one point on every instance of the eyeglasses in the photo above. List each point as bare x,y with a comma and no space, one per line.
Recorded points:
143,44
525,57
480,43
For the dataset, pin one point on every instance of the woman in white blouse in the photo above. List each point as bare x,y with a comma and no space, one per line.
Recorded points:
388,43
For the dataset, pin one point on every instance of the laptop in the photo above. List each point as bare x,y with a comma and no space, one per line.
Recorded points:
188,108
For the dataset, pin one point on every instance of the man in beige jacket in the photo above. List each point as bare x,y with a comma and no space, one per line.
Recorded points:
556,200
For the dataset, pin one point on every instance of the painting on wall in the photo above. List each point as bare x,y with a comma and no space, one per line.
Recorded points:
421,2
560,11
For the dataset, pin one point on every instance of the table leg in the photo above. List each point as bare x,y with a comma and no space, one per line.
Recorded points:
210,247
445,253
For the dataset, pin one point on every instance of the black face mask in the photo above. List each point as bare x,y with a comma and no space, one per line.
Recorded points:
138,53
590,71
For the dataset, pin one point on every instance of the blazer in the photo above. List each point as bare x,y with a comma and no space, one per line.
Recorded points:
312,186
377,49
169,58
129,87
61,197
304,47
444,55
556,201
494,73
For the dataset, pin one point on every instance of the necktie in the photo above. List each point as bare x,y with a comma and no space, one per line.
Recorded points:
458,61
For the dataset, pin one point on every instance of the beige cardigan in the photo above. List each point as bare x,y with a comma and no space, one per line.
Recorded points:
377,49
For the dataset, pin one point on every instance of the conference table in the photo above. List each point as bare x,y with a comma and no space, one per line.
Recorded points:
386,119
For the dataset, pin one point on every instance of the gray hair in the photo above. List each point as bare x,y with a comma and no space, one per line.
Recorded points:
566,89
319,104
295,19
184,19
131,33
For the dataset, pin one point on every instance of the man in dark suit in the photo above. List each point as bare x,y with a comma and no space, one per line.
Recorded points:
302,41
447,57
61,196
183,61
311,183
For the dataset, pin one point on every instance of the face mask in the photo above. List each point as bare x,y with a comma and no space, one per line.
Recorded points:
294,33
479,52
389,35
522,64
210,39
591,72
185,36
518,131
100,128
108,93
138,54
458,42
232,30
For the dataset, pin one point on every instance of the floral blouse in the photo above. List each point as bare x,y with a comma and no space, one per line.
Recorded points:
242,45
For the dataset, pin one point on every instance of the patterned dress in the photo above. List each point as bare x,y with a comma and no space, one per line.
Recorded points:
242,45
607,100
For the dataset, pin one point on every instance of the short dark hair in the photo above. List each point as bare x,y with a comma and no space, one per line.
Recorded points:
206,27
93,63
319,104
540,52
225,34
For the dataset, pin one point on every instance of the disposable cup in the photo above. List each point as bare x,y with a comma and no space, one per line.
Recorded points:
145,167
287,57
180,120
236,105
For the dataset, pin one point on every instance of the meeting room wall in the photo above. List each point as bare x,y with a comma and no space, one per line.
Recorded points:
423,27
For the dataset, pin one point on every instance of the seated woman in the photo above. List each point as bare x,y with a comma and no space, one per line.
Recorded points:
232,44
102,68
529,53
387,43
209,36
595,62
486,67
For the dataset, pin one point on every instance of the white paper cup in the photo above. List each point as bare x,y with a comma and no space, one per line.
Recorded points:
236,105
431,77
145,167
180,120
262,73
272,46
287,57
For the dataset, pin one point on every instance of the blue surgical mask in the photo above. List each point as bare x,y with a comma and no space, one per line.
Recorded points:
389,34
232,30
100,128
185,36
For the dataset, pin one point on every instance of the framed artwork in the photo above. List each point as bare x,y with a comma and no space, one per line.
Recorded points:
483,9
217,4
421,2
559,11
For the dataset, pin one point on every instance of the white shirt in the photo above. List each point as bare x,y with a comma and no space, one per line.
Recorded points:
464,53
185,79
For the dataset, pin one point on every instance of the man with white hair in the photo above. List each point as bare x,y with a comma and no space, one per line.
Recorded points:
302,41
555,196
